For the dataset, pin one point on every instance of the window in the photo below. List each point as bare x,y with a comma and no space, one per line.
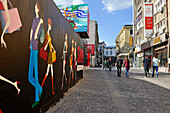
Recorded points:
110,52
139,25
163,24
139,40
106,52
160,26
131,32
158,6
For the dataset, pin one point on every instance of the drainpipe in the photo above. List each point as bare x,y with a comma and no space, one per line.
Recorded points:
167,33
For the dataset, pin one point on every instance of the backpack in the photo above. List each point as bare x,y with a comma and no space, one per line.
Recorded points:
119,62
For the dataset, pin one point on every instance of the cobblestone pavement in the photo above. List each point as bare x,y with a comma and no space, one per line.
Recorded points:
101,91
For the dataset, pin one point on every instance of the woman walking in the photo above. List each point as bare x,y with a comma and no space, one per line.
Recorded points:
127,66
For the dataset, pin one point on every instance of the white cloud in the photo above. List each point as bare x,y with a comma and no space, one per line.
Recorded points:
68,2
113,5
107,44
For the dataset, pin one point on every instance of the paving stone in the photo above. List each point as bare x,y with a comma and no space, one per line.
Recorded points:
101,91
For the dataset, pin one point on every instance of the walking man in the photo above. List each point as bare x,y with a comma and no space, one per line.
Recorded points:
155,63
110,62
146,64
118,64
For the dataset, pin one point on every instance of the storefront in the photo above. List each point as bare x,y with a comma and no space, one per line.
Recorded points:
160,50
146,48
139,56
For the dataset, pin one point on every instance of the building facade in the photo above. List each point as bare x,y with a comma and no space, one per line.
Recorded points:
109,52
100,59
92,42
151,31
124,42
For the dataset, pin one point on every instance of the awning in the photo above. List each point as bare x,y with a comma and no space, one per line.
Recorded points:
123,54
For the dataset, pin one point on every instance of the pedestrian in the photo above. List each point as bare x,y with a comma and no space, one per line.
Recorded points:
146,64
110,64
118,64
105,64
127,66
155,64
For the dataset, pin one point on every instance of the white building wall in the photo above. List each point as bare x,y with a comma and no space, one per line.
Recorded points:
108,49
92,32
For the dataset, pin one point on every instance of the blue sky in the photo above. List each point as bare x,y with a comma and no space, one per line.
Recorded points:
111,16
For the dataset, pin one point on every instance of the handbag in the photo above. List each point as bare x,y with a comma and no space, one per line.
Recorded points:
14,18
43,54
53,56
1,6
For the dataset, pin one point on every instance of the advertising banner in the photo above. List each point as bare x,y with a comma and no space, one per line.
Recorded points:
130,41
148,16
91,47
77,16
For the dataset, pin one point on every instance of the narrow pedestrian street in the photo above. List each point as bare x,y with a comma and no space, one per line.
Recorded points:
101,91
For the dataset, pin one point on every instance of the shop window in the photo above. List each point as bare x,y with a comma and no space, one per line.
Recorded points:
162,56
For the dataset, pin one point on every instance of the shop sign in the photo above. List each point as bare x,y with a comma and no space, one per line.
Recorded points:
148,14
91,47
137,49
156,40
159,39
130,41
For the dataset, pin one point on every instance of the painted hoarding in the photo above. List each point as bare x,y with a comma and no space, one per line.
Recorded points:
35,59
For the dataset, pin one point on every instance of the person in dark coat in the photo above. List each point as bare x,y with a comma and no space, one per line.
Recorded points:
118,64
146,65
110,64
127,66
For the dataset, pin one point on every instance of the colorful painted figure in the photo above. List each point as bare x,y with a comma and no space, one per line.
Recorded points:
71,62
75,60
33,64
49,61
4,2
15,84
64,61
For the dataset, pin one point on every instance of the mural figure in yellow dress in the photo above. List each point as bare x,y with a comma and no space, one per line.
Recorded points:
49,61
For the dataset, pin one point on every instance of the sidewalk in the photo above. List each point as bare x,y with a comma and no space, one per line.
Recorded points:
163,79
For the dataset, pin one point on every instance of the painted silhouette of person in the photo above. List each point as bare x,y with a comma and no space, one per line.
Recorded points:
4,3
64,61
49,61
33,64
